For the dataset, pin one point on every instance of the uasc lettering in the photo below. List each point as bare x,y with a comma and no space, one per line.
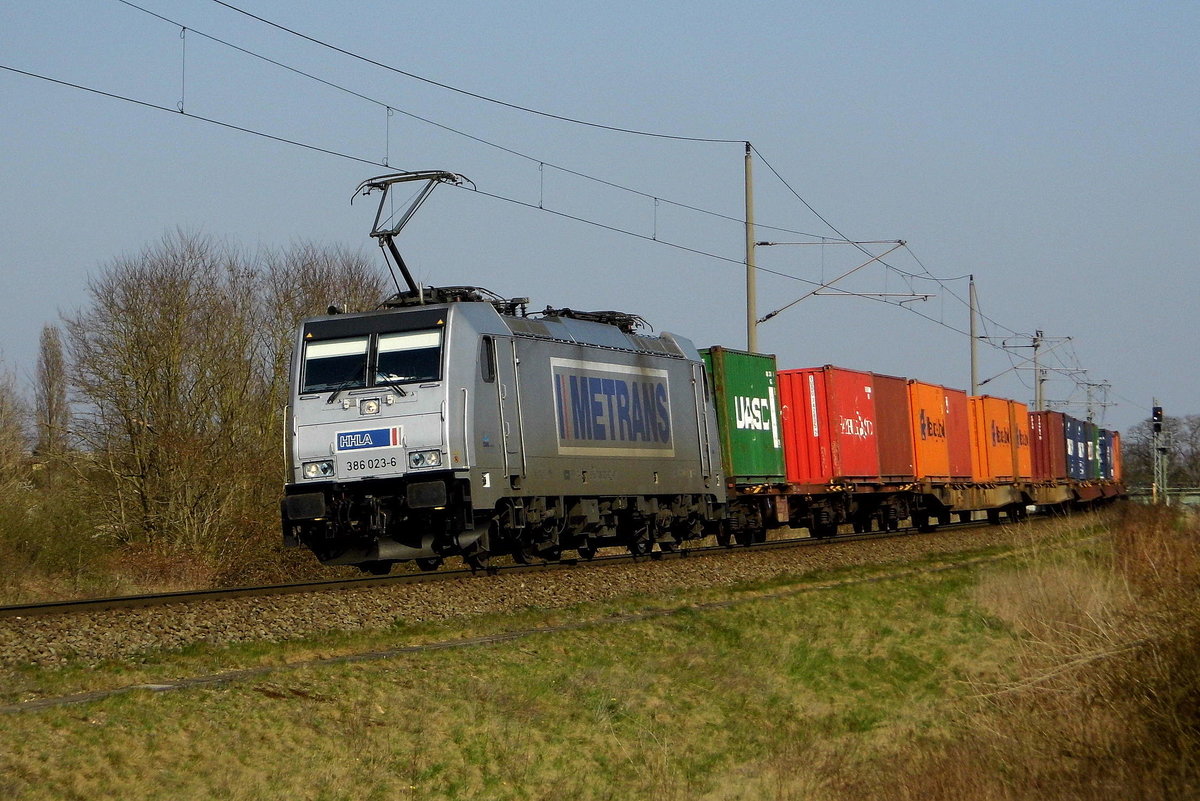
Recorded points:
752,413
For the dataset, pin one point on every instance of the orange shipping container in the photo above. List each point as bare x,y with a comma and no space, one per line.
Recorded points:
928,410
993,451
1021,450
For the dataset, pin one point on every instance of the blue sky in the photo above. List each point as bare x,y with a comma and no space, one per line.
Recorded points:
1050,149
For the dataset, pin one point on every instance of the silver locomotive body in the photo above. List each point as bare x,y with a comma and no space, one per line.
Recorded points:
455,429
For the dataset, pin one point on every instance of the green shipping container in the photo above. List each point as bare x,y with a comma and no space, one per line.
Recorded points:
747,404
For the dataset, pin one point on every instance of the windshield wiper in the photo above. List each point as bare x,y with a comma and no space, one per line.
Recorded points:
338,389
393,385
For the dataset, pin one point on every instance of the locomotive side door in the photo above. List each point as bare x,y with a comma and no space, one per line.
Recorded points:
700,395
509,388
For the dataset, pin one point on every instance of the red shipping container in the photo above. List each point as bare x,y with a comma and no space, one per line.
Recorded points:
829,425
1048,446
893,436
958,435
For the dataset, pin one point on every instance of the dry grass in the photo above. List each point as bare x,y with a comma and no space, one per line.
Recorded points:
1103,700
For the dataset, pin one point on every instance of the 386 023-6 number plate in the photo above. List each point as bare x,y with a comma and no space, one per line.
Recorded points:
370,451
371,464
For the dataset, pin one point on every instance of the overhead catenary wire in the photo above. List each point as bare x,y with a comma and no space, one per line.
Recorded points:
391,108
467,93
361,160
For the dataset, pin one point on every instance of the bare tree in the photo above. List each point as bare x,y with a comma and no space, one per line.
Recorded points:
305,280
51,412
12,432
182,359
165,356
1183,454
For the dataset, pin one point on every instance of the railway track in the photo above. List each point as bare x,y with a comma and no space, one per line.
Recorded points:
196,596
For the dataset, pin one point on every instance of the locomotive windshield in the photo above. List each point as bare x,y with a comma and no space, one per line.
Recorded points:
335,364
400,358
409,356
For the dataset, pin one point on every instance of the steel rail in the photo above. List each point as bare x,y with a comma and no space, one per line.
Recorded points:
84,605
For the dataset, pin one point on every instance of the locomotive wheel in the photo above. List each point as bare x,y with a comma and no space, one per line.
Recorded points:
586,552
479,561
641,547
550,553
376,568
430,564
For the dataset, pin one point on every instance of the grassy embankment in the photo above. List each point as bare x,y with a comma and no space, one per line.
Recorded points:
1064,673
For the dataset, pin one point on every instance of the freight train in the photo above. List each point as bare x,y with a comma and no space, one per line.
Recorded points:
454,422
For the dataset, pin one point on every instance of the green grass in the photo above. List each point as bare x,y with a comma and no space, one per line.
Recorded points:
723,703
863,689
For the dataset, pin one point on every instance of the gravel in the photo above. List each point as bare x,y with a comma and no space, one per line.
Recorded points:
124,634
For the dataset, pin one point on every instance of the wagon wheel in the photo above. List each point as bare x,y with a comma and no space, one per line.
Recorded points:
724,539
641,546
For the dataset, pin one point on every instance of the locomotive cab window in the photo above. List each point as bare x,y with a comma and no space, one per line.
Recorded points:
487,360
335,364
409,357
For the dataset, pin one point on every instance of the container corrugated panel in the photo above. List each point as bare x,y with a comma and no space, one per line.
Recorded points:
1076,449
1092,436
747,402
958,435
829,425
1118,461
992,438
1048,445
1105,441
807,449
1022,456
928,412
895,437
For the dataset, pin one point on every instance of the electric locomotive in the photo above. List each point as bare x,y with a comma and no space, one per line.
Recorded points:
453,422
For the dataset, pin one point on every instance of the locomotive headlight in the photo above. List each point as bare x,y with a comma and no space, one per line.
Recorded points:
368,406
424,458
321,469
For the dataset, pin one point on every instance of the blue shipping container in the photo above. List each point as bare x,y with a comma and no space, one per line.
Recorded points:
1077,466
1106,454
